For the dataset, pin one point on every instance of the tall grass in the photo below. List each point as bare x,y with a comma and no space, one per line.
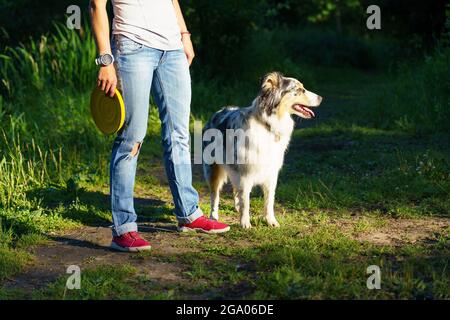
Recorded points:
47,136
46,86
24,166
60,59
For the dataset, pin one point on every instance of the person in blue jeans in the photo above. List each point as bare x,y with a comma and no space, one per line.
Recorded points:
150,51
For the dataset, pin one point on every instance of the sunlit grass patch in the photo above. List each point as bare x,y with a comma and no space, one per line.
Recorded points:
103,282
106,282
12,261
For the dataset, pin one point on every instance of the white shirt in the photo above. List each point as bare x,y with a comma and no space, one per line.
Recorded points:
152,23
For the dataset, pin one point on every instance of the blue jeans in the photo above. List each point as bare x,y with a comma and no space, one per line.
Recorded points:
141,70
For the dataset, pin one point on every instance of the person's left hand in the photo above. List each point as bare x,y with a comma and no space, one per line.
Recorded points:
188,47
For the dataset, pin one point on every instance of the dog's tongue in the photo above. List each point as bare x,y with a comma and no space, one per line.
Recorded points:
303,109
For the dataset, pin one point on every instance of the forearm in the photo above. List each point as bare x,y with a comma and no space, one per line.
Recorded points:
179,15
107,79
185,35
100,25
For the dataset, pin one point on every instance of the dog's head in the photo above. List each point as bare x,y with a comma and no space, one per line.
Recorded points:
283,96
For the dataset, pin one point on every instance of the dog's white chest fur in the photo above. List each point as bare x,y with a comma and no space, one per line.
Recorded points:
266,149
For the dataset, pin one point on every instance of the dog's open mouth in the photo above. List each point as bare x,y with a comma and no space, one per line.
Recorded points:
306,112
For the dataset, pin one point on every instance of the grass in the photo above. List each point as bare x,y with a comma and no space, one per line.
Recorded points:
312,259
365,169
100,283
415,105
370,161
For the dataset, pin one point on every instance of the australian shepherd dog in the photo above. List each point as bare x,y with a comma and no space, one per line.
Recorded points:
249,144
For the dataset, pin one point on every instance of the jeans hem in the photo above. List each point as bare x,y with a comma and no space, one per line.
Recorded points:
192,217
125,228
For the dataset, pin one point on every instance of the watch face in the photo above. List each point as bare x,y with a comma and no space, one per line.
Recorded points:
106,59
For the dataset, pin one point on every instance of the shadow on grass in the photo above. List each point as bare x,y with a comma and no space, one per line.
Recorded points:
73,242
93,208
365,169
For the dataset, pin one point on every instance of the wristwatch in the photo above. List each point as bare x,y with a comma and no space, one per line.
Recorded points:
104,59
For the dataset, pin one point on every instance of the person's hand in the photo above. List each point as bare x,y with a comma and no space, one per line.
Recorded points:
188,47
107,79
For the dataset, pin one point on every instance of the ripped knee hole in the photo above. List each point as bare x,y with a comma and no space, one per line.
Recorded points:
136,148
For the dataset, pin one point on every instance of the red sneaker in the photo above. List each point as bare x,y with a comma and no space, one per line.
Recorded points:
205,225
130,242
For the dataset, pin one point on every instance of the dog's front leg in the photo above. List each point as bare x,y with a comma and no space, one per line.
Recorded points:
244,207
215,205
236,200
269,200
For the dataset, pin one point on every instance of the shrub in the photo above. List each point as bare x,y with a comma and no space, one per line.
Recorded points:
329,48
417,100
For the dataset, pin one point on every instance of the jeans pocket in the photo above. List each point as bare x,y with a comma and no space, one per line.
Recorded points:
126,46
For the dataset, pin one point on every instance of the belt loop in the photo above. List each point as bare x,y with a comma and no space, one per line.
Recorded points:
163,57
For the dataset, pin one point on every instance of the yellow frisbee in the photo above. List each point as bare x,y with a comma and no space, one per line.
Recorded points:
108,113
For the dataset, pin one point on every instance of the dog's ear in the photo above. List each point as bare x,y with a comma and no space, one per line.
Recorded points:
270,95
271,81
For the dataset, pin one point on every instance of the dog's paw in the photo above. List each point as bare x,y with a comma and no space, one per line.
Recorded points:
272,222
246,224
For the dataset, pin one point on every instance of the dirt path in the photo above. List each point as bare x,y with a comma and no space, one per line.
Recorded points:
89,247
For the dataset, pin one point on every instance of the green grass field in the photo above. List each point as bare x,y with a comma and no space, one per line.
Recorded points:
365,183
